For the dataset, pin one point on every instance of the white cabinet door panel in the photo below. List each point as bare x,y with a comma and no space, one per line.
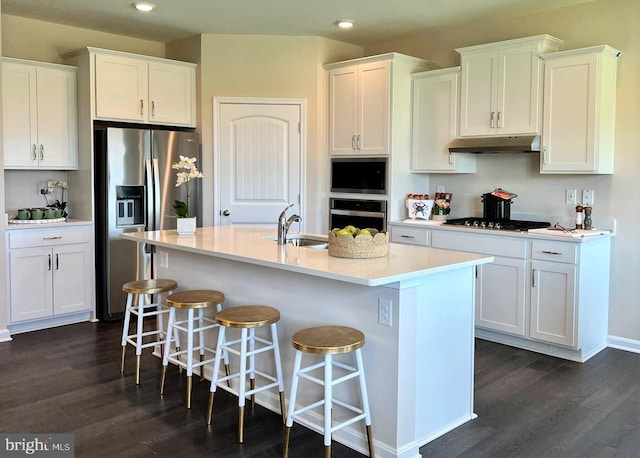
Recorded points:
374,108
171,94
30,283
71,278
121,88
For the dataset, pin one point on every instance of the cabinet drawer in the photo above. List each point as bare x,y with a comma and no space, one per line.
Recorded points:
480,243
554,251
410,235
48,237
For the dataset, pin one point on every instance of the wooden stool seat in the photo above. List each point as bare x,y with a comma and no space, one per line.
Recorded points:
154,286
195,299
144,307
194,303
329,341
247,318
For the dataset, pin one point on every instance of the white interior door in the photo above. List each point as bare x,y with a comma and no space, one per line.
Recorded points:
259,169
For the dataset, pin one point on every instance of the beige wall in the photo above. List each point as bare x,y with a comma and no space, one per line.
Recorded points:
265,67
612,22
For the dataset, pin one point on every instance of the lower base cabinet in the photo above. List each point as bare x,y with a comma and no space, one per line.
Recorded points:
50,274
541,294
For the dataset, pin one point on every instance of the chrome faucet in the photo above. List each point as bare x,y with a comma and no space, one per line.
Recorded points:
284,224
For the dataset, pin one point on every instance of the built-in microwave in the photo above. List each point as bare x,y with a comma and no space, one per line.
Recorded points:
360,175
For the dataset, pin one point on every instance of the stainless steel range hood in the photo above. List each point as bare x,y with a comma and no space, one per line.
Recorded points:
522,144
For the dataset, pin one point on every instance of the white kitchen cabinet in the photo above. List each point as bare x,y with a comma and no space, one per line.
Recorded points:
49,276
501,295
363,97
142,89
541,293
501,86
434,123
39,115
579,111
553,302
410,235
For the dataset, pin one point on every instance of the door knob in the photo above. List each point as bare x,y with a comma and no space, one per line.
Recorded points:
226,212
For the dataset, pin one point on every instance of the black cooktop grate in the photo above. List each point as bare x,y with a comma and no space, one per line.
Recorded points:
507,225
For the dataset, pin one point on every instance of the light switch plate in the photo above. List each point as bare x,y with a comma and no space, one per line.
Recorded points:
587,196
570,196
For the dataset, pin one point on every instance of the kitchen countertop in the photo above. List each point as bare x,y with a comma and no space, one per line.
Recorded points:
579,236
257,245
44,225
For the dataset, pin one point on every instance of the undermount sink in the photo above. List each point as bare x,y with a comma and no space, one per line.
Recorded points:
306,241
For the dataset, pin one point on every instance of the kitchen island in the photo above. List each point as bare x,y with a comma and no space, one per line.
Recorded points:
418,357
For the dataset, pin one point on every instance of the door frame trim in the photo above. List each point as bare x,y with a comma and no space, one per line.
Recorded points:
217,104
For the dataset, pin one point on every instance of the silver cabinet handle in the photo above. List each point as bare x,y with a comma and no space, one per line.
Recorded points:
408,236
358,142
49,261
54,237
450,158
499,122
493,117
41,151
353,141
552,252
533,278
35,154
153,108
141,107
57,262
544,155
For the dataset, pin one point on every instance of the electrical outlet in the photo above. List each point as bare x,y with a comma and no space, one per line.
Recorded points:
570,196
385,312
163,259
587,196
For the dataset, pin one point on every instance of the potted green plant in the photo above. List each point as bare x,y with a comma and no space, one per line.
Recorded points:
187,171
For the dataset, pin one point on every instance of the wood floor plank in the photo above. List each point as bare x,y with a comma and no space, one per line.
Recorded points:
68,379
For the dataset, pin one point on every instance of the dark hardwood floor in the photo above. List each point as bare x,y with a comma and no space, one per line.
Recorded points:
67,379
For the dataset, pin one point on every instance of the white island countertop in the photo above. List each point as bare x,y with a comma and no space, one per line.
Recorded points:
257,245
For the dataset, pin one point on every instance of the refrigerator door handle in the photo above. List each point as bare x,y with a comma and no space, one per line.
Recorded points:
157,208
149,222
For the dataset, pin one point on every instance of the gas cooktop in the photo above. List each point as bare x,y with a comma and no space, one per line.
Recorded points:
505,225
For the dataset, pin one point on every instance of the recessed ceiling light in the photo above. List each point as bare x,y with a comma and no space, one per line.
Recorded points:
144,6
344,23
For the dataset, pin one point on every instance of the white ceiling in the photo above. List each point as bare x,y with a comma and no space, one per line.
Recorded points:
375,20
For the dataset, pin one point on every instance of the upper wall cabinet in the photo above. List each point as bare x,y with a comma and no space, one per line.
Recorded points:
435,123
39,115
502,86
362,101
145,90
134,88
579,111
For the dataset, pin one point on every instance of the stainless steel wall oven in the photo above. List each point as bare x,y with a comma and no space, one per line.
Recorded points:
360,213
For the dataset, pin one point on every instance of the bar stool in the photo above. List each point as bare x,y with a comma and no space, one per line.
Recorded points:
247,318
141,291
329,341
191,301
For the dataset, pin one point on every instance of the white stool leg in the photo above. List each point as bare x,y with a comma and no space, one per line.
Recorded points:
328,400
243,387
201,340
125,328
292,402
139,330
167,347
278,362
216,370
365,402
252,362
189,355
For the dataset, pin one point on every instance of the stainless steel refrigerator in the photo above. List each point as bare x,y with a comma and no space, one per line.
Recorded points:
135,191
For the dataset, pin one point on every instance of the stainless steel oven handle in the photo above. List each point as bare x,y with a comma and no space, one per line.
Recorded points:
358,213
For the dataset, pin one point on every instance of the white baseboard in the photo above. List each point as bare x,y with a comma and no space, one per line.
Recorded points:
5,335
622,343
